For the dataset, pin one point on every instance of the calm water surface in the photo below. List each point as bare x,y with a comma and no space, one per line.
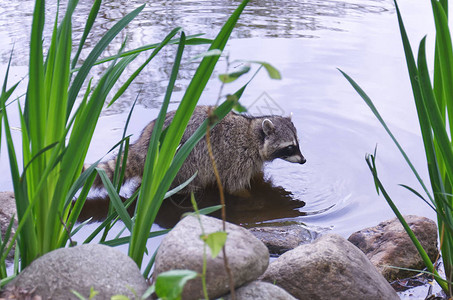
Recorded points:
306,41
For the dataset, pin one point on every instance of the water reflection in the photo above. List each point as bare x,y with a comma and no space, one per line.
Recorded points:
264,203
336,129
261,19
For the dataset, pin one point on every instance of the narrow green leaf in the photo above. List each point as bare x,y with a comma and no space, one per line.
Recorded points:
126,239
110,218
155,187
444,48
80,226
165,41
89,24
411,234
35,101
95,53
387,129
232,76
205,211
179,187
213,52
136,252
149,292
116,73
190,40
27,242
115,199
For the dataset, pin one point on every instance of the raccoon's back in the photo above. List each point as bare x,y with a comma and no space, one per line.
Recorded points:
235,151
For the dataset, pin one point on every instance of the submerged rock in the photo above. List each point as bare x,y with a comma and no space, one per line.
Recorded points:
279,239
388,244
56,274
182,248
329,268
261,290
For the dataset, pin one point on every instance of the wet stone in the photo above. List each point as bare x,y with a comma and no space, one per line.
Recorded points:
329,268
279,239
7,210
82,268
261,290
388,244
182,249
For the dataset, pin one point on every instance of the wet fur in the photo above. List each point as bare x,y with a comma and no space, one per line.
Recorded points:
240,146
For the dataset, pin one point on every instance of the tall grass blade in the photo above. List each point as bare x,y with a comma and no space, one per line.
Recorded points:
115,199
400,217
110,218
445,54
95,53
143,207
137,72
190,40
90,21
154,188
28,238
389,132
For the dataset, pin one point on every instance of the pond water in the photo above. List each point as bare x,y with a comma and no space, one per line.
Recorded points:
306,41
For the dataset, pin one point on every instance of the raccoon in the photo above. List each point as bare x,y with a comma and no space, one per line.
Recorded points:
241,145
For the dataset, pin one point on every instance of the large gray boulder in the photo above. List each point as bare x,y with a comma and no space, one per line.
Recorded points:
182,248
388,244
56,274
261,290
329,268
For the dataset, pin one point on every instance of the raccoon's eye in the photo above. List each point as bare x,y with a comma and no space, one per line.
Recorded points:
286,152
290,150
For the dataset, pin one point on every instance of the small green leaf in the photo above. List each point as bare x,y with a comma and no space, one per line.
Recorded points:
120,297
93,293
148,292
273,72
215,241
238,72
239,108
169,285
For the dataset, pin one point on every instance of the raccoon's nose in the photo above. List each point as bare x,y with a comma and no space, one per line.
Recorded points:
302,160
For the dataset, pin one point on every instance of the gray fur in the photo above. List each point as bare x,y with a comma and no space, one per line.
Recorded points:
241,144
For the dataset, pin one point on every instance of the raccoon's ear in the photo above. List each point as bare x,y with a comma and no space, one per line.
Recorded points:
268,127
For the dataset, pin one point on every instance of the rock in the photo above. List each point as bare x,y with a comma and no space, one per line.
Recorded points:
182,248
280,239
55,274
7,210
261,290
329,268
388,244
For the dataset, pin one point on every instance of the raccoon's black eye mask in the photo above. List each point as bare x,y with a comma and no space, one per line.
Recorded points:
286,152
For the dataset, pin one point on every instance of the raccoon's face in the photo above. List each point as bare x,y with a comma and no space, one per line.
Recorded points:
280,141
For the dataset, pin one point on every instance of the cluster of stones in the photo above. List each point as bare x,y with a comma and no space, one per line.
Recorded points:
330,267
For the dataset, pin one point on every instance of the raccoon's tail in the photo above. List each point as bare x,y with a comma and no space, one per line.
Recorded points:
109,168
